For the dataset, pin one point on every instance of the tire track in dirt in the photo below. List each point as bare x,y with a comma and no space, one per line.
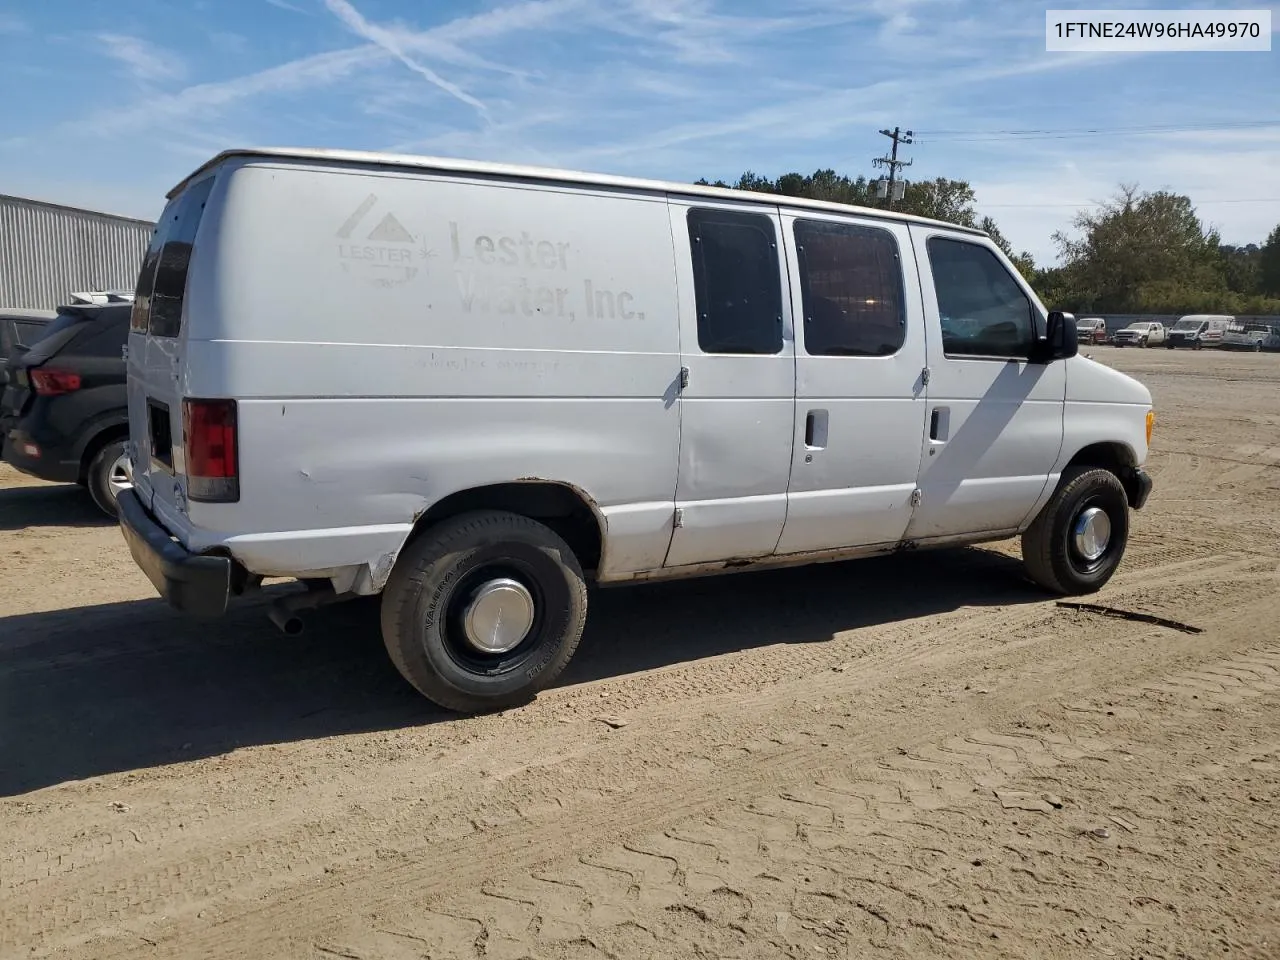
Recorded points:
180,834
856,853
452,863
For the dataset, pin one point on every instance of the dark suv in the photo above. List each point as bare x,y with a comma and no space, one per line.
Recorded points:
19,329
63,415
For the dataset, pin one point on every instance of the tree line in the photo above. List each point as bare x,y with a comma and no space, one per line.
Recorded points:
1140,252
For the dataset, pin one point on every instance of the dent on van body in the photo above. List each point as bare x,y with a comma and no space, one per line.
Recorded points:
511,335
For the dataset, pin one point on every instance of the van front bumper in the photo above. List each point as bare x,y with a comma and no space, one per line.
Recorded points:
192,583
1138,487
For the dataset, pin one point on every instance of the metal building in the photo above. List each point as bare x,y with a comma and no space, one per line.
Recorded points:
48,251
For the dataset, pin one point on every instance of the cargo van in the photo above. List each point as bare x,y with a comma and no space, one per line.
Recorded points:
476,389
1198,330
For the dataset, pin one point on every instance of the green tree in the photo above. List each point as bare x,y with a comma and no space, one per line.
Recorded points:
1241,268
1143,253
1023,261
939,199
1269,266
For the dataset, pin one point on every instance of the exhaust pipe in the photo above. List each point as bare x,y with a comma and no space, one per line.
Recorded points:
286,613
290,624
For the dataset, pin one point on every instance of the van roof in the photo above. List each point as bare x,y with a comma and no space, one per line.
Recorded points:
507,171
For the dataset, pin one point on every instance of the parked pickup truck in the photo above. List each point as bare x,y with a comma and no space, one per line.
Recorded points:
1091,330
1144,333
1246,336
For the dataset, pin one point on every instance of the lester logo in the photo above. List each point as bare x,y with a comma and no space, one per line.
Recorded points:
387,255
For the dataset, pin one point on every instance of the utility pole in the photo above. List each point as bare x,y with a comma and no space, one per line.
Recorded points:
892,161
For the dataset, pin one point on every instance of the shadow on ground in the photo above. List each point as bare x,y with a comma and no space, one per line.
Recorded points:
100,689
49,506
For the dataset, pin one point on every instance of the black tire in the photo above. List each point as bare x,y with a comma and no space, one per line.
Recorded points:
430,585
1048,547
100,477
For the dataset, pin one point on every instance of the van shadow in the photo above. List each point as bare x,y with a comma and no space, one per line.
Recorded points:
65,505
102,689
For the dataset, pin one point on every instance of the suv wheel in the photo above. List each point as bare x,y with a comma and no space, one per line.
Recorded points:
108,475
1077,541
484,611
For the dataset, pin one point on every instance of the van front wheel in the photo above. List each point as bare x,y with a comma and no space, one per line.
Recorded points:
1075,544
483,611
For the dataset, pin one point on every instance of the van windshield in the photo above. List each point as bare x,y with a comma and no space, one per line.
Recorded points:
1188,325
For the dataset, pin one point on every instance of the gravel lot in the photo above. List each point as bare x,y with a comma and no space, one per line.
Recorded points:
918,756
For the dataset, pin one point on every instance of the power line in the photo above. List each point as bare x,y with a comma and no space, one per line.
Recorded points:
1099,203
960,136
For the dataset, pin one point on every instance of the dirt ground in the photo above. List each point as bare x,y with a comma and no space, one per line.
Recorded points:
919,756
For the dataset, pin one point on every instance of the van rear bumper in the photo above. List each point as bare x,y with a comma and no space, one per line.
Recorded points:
193,583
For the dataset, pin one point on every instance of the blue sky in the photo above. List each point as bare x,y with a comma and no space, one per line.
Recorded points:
107,103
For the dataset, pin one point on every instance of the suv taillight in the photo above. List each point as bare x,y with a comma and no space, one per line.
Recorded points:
51,383
209,435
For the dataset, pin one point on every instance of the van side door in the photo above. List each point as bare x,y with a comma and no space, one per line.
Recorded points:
860,391
737,396
995,418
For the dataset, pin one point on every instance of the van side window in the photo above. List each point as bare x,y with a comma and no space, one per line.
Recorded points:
147,274
175,257
982,309
736,282
852,289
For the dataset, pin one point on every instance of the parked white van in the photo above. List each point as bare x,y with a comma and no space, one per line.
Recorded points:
1198,330
475,389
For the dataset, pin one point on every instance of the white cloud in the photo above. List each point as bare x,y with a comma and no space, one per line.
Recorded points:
389,41
1043,192
144,61
314,71
286,5
11,23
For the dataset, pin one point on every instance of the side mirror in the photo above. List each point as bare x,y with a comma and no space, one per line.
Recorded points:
1060,339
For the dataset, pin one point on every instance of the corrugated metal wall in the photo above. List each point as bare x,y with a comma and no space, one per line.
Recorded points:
48,251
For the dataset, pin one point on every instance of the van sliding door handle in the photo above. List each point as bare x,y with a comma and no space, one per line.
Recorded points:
815,430
939,424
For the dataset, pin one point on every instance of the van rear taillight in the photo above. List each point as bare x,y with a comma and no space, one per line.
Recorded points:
209,432
52,383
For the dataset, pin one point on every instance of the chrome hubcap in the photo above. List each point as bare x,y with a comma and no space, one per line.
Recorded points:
119,477
498,616
1092,533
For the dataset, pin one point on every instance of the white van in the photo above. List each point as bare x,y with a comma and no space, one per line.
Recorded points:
475,389
1198,330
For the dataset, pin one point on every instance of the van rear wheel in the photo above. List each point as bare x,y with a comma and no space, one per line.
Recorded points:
483,611
1075,544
